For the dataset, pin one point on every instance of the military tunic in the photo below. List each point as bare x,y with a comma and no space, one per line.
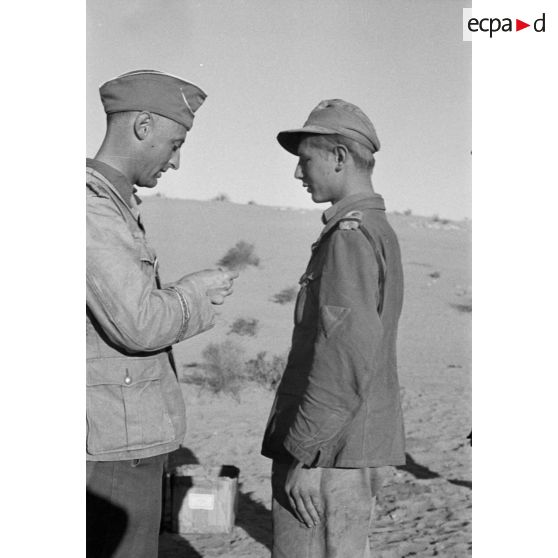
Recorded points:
338,402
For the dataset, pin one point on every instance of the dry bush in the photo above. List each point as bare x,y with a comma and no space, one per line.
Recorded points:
285,296
243,326
466,308
240,256
222,369
436,219
221,198
225,370
266,372
196,376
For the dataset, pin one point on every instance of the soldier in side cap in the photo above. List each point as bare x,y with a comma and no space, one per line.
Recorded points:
135,409
337,415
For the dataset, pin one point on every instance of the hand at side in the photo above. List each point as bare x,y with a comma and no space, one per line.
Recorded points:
303,489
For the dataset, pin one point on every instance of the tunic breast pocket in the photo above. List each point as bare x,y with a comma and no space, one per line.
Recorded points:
307,299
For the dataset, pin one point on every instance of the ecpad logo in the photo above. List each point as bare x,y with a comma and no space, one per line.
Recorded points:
492,25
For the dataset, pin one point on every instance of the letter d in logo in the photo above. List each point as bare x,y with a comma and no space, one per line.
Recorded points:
538,26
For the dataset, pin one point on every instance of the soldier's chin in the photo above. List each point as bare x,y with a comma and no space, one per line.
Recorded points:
149,183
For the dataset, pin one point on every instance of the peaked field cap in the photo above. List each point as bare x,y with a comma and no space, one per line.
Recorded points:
334,116
153,91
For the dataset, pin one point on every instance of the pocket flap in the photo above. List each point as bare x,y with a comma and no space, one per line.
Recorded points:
133,371
332,317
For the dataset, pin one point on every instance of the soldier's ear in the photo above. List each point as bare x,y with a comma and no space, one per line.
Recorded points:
143,124
341,154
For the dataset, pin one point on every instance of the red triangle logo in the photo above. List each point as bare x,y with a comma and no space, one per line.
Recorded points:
519,25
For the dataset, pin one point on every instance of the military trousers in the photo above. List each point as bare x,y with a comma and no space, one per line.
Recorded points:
348,496
124,501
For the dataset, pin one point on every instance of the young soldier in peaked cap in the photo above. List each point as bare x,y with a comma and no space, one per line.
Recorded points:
337,416
135,409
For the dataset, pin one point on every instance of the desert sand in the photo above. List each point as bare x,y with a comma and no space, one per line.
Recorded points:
423,508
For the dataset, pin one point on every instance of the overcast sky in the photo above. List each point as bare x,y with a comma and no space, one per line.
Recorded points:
266,64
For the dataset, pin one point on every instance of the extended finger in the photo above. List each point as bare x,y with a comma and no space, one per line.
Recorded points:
311,511
297,512
224,293
303,512
293,508
316,509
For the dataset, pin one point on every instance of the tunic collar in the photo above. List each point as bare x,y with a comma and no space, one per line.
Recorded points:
120,183
338,209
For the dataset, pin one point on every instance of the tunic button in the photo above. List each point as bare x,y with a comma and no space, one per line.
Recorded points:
127,380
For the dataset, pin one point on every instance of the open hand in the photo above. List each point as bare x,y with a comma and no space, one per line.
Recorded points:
303,490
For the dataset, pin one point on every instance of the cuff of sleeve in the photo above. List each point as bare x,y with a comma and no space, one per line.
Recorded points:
185,313
308,459
197,311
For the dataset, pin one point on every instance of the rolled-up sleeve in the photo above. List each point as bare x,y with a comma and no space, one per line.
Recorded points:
349,332
121,291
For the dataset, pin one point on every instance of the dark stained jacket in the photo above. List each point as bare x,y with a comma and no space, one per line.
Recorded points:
338,402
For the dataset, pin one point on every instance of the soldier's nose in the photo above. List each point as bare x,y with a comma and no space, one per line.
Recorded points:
174,162
298,172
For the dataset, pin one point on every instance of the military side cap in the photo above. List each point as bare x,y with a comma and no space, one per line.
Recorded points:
153,91
333,116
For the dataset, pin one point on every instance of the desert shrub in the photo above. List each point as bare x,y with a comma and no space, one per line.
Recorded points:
225,370
243,326
285,296
221,198
407,212
240,256
252,202
266,372
195,375
436,219
222,369
434,275
466,308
